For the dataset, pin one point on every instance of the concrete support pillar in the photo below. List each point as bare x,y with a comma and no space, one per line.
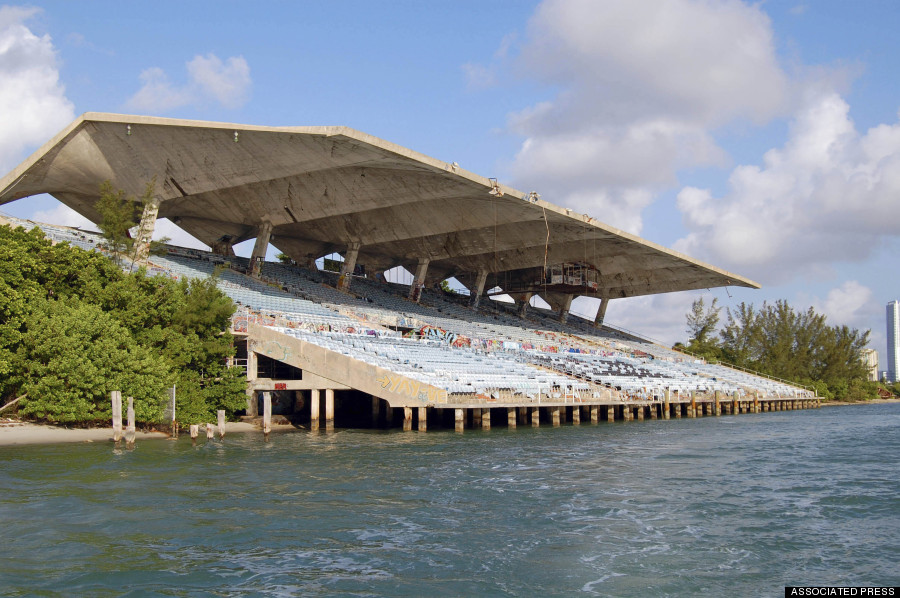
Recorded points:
563,415
718,406
523,415
523,304
554,416
595,414
348,266
564,310
653,408
423,419
329,409
418,283
376,411
486,418
535,417
640,414
407,419
736,408
601,312
576,416
314,409
460,419
511,418
476,417
388,416
478,291
259,248
692,410
610,414
678,409
145,230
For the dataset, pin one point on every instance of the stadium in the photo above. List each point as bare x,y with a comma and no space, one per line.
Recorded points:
342,343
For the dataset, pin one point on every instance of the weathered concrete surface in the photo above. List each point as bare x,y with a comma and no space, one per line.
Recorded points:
325,189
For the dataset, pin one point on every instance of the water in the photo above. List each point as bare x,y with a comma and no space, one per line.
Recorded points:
732,506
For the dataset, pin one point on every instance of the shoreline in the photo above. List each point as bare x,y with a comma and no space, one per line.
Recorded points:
847,403
29,433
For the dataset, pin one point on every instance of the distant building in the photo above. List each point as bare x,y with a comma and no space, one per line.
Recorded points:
870,359
893,341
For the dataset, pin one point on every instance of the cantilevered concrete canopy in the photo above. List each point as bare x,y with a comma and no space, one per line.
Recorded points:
324,189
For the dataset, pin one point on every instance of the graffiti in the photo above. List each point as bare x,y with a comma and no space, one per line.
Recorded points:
439,334
411,388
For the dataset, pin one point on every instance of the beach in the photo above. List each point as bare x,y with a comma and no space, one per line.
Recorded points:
21,433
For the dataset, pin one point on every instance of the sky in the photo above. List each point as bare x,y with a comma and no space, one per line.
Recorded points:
763,138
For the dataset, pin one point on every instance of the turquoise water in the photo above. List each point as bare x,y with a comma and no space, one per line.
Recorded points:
731,506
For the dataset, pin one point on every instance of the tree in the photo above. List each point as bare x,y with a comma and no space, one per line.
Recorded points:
702,322
118,215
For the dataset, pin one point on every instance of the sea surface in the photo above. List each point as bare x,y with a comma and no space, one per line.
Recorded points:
728,506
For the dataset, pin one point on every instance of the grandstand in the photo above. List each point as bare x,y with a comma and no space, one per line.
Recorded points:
302,331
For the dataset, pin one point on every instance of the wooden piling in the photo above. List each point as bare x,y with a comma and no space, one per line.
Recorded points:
130,431
210,432
314,409
116,398
407,419
423,419
220,419
329,409
267,413
195,431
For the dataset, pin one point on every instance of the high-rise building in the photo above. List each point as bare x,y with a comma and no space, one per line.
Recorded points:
893,341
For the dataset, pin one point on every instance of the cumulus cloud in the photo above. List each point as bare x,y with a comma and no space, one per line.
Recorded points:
829,194
32,100
851,304
227,83
641,85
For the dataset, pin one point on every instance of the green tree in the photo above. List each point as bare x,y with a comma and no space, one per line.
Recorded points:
701,325
118,215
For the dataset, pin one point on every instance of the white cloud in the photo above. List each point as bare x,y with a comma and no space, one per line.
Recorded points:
209,79
64,216
829,194
641,87
33,103
850,304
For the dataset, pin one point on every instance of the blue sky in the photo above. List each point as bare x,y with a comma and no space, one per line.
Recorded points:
762,138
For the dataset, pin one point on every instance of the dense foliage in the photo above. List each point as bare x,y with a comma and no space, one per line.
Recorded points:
74,327
779,341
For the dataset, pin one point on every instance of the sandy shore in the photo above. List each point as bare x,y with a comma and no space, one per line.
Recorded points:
872,402
28,433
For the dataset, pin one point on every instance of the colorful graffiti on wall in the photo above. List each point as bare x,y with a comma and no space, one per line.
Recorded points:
412,388
439,334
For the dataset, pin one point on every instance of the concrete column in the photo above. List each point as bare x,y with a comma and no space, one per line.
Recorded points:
736,408
314,410
535,417
610,414
667,404
478,291
641,413
259,248
576,416
407,419
415,291
692,410
486,419
329,409
388,416
476,417
653,407
601,312
718,410
523,304
145,230
554,415
678,409
511,418
423,419
563,415
523,415
595,414
376,411
348,266
460,419
564,310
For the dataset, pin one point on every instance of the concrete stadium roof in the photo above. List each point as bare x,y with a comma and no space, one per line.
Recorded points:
323,188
